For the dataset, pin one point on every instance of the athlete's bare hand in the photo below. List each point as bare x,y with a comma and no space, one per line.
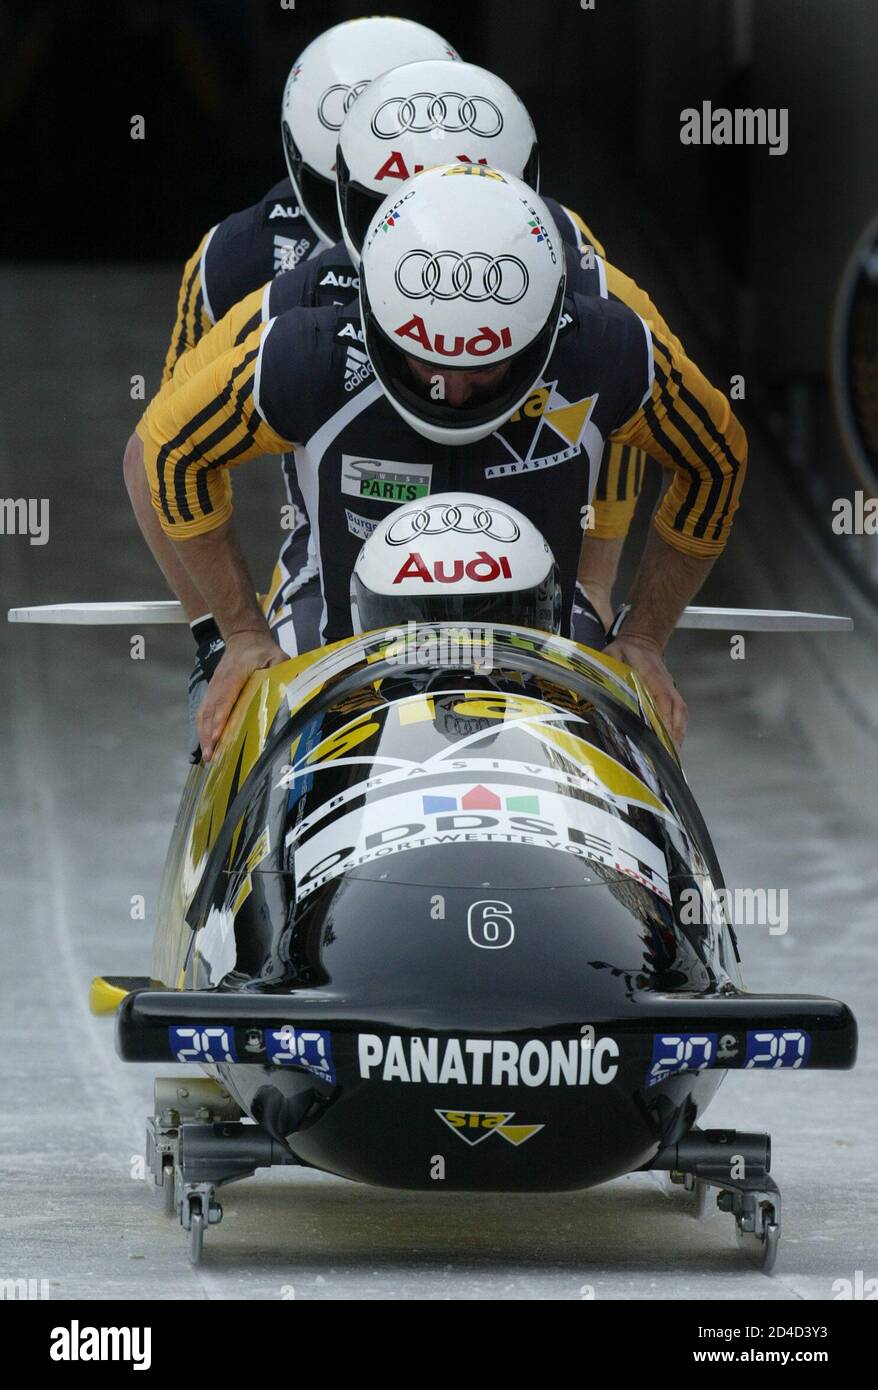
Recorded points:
245,653
644,656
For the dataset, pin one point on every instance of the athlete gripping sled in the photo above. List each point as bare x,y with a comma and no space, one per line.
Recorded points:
458,368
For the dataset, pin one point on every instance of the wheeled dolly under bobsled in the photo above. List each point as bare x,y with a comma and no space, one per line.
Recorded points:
737,1165
195,1142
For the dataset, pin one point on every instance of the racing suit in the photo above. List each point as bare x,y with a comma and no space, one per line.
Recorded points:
300,380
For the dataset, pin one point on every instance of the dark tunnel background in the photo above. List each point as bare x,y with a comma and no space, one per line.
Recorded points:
753,245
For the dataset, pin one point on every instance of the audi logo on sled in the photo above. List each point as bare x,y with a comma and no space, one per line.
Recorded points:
467,518
425,111
475,276
336,102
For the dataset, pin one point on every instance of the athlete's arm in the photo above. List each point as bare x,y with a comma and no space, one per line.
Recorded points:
598,566
192,317
164,551
689,427
191,437
622,468
217,566
241,320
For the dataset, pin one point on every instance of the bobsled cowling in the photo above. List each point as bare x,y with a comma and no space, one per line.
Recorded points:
414,909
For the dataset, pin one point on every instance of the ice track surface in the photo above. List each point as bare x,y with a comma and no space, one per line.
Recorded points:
781,755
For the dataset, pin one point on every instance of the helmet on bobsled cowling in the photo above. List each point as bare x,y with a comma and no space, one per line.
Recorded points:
461,273
455,557
408,120
322,85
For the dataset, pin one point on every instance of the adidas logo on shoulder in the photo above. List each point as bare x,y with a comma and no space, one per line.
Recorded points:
357,368
288,252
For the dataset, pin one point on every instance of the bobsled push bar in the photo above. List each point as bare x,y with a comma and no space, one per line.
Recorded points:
168,611
149,1020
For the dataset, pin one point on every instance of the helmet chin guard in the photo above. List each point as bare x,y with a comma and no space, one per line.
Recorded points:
323,84
455,557
463,270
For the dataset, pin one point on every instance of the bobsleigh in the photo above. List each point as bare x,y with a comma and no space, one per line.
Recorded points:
421,925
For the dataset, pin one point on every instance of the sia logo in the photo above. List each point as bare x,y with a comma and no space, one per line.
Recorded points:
472,1126
548,429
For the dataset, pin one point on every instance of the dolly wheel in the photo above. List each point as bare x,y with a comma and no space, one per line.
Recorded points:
702,1199
168,1190
196,1231
760,1246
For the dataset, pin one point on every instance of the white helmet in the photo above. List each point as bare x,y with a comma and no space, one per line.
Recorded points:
323,83
463,268
420,115
455,557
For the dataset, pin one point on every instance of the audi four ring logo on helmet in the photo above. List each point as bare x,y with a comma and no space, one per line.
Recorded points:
451,275
425,111
336,102
466,518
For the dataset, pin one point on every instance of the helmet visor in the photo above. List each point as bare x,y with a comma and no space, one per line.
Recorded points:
358,204
538,607
316,192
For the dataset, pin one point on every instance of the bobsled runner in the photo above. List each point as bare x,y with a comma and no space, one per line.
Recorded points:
421,925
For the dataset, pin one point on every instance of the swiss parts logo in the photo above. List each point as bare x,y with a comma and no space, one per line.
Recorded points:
472,1126
384,480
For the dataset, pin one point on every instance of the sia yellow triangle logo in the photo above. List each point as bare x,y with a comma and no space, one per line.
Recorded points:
516,1134
569,420
473,1126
